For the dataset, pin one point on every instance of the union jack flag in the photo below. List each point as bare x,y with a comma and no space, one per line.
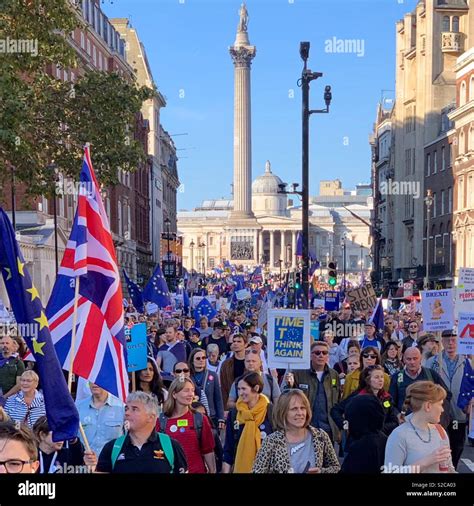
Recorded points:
100,351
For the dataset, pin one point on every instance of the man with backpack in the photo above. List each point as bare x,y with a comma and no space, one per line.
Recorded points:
142,449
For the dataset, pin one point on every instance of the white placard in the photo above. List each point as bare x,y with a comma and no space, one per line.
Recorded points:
466,276
466,334
464,300
437,308
243,294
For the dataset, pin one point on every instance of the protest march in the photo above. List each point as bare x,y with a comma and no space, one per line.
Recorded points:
224,375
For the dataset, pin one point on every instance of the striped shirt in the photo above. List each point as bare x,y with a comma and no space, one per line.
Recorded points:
18,410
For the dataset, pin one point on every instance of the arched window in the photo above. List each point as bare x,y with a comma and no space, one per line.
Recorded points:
470,139
462,98
462,145
119,218
445,24
455,27
471,88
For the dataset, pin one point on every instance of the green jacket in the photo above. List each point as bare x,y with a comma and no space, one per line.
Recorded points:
306,380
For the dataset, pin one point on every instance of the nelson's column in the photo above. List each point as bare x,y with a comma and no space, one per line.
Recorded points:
243,226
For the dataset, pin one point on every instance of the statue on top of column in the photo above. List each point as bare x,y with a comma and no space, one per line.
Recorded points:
244,19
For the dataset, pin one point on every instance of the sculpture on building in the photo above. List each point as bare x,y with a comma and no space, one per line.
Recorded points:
244,19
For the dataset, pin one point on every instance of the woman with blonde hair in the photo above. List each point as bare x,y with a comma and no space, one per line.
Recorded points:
189,428
295,446
27,405
3,416
420,444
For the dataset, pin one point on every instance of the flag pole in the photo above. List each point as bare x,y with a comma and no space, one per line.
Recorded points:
73,338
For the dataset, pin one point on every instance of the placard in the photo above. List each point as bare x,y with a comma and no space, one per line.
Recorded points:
331,301
362,298
466,334
289,338
437,308
135,339
464,300
466,276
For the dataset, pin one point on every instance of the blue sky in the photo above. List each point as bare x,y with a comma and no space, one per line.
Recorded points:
187,47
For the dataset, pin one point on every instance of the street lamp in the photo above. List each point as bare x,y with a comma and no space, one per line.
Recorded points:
429,203
344,263
306,77
191,247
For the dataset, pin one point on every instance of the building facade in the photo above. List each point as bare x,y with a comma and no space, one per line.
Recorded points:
463,165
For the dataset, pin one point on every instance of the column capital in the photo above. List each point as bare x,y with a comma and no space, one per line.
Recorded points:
242,56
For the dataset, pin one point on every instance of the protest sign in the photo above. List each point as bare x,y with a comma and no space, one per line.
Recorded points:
136,347
289,338
437,308
243,294
464,300
151,308
466,334
318,303
314,330
466,276
407,289
331,301
362,298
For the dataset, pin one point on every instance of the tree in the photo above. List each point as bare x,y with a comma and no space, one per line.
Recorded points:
44,121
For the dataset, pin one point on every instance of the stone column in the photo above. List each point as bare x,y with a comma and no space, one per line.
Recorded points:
242,54
255,246
282,246
272,249
293,249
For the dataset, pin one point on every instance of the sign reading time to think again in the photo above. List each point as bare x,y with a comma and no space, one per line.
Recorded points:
289,337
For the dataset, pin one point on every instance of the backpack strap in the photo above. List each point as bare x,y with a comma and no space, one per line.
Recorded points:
163,421
117,448
441,431
167,446
198,421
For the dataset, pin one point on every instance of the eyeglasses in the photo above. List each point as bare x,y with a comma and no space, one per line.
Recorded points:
179,371
367,355
14,466
248,351
321,352
200,358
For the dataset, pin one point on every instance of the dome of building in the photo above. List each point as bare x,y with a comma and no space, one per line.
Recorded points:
267,183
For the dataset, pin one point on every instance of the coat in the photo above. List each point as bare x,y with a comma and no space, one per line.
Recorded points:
352,383
273,456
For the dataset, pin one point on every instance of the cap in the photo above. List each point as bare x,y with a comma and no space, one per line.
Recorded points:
449,333
194,330
256,340
369,324
427,337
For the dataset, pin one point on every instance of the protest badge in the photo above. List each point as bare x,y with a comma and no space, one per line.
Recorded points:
331,301
466,276
151,308
464,300
243,294
466,334
135,339
289,338
437,308
314,330
362,298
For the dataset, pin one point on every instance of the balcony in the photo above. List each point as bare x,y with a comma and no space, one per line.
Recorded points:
452,42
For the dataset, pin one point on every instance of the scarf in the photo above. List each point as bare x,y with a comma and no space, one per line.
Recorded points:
250,439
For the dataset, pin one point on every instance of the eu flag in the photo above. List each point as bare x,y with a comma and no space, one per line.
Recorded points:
204,308
156,289
377,316
61,411
134,292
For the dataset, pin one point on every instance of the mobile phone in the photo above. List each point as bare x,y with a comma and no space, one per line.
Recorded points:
306,468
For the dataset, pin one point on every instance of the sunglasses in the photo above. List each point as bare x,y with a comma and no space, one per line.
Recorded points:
199,358
179,371
248,351
321,352
366,355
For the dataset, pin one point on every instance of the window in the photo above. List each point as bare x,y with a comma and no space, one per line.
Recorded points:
435,162
119,218
445,24
462,98
450,200
428,163
470,139
94,56
82,40
212,263
58,72
462,143
73,76
88,47
66,75
471,88
455,24
470,189
434,205
461,193
443,158
450,155
211,240
407,161
442,202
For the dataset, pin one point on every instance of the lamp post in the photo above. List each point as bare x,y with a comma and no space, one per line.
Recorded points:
344,263
429,203
191,247
167,224
202,246
306,77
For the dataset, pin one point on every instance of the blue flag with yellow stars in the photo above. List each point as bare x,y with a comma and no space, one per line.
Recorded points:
63,418
156,289
204,308
134,292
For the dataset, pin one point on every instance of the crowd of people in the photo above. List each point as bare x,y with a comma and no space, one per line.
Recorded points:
371,401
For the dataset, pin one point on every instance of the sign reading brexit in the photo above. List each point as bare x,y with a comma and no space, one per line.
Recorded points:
289,337
437,308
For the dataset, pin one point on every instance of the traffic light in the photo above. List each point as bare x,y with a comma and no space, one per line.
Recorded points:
298,281
332,274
